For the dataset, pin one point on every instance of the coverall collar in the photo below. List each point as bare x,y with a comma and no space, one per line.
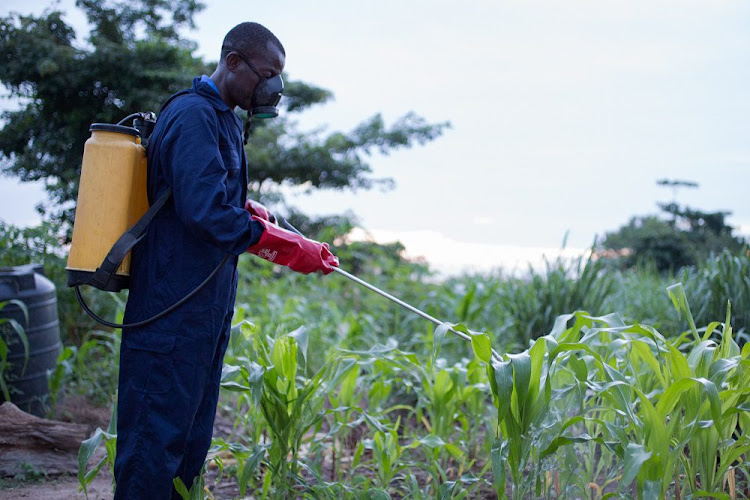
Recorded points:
205,90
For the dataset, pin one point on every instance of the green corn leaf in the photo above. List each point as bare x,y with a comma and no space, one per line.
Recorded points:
379,494
181,488
656,430
536,355
561,440
235,386
521,378
728,347
429,441
480,342
562,333
578,365
255,378
302,337
465,305
348,386
710,329
443,386
733,453
249,468
672,395
111,433
720,368
284,359
566,440
85,452
454,451
503,379
491,377
90,475
741,408
652,490
445,492
358,455
499,455
679,300
678,363
635,456
644,352
20,333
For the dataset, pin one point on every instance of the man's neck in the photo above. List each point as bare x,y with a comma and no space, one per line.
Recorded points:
218,78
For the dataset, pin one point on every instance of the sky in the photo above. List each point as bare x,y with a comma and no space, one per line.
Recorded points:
563,114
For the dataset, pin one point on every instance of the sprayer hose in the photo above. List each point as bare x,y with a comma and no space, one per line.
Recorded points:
157,316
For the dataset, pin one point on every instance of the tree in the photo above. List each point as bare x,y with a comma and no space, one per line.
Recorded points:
684,237
63,88
136,58
652,240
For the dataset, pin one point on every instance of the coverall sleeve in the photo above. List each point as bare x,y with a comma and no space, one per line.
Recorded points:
193,166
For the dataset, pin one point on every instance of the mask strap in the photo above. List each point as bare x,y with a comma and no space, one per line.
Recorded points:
246,132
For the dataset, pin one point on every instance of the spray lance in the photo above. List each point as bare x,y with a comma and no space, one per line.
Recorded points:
390,297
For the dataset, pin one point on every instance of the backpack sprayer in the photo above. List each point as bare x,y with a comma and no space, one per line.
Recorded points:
113,213
111,199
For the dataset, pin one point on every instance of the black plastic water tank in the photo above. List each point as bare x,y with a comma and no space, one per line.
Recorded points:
29,388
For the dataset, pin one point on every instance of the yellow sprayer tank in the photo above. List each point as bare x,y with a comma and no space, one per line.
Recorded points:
111,198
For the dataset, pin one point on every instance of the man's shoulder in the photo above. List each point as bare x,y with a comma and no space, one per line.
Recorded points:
189,101
187,108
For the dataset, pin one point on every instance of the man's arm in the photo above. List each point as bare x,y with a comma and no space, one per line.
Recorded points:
193,166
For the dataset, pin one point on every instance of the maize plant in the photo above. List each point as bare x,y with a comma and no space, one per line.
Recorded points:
291,405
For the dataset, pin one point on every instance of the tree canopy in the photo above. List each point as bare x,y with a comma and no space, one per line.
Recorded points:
682,236
135,57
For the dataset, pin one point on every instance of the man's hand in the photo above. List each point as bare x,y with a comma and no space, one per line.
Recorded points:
292,250
259,210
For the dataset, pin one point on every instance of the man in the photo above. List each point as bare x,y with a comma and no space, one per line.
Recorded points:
170,369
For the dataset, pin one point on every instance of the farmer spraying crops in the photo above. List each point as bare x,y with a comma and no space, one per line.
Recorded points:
170,369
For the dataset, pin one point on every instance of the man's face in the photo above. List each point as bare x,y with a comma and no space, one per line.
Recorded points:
268,64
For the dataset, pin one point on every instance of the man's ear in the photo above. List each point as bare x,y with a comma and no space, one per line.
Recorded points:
232,60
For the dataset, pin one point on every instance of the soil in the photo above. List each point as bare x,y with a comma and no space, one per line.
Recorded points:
58,488
38,485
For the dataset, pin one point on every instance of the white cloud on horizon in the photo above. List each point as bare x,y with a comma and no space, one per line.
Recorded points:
449,256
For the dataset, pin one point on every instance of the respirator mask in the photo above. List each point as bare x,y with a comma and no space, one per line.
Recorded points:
267,93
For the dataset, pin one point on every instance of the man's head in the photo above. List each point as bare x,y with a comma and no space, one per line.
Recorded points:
250,56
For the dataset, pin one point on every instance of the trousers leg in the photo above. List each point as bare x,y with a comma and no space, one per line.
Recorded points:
163,378
201,432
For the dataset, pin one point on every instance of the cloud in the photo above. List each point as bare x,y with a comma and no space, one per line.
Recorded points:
483,220
449,256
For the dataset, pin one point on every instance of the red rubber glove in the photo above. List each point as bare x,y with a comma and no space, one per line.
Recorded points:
260,210
299,254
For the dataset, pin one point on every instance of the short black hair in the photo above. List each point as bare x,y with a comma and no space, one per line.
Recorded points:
249,39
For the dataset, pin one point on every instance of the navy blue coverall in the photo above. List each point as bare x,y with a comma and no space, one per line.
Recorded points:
170,369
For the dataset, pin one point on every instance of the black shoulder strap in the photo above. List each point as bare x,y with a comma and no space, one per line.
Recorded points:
126,242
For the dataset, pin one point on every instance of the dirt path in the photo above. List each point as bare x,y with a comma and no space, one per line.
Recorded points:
62,488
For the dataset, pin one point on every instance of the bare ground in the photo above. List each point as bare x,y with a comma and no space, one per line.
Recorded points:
38,485
59,488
